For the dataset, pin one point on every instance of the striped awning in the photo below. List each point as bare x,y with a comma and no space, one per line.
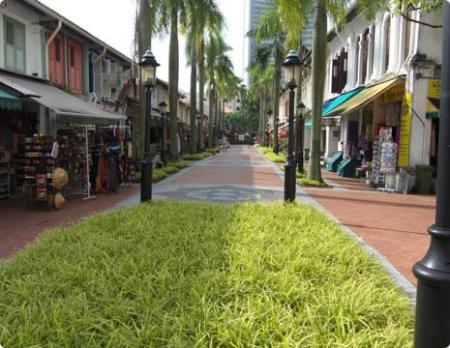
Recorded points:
364,97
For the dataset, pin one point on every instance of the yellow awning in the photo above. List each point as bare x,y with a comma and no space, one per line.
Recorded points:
366,96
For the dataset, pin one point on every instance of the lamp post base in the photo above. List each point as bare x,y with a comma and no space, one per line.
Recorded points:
433,292
146,180
289,181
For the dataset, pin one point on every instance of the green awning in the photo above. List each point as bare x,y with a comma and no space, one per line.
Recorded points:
330,106
367,95
9,102
308,122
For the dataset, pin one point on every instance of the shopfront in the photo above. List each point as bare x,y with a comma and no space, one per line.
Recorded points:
53,129
375,132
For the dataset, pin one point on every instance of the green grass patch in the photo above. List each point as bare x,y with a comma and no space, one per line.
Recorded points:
179,274
213,150
197,156
162,173
305,181
271,156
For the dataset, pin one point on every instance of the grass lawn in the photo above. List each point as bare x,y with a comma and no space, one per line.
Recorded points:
179,274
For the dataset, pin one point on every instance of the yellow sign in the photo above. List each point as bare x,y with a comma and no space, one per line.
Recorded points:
434,89
405,131
434,95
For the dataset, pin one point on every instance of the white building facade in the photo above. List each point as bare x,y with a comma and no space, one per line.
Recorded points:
383,76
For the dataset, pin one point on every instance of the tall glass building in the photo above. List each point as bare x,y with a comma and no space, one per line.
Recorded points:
257,9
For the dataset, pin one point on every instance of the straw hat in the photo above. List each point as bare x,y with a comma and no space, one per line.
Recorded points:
60,178
59,200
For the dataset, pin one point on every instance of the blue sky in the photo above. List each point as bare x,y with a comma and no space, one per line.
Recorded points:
116,27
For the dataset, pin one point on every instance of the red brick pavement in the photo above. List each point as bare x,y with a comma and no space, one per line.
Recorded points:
394,224
264,176
226,174
20,226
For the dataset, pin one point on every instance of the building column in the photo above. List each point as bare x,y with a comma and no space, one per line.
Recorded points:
351,77
370,54
359,55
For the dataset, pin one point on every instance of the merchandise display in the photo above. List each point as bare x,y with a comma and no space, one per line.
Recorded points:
34,167
4,175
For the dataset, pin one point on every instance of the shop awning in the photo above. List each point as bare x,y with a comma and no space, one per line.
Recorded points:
333,104
9,102
365,96
62,103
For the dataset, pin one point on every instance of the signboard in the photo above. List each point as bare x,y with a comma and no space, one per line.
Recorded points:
434,97
405,131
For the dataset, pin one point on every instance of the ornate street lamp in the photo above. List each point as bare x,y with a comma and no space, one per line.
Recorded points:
291,67
148,65
163,108
433,272
300,139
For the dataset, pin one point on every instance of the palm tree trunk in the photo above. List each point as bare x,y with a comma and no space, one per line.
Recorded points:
173,83
211,117
201,88
144,42
318,82
193,142
261,120
276,103
300,128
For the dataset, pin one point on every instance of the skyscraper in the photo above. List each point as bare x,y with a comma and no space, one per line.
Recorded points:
257,9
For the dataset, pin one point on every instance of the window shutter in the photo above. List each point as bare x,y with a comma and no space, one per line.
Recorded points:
10,33
335,76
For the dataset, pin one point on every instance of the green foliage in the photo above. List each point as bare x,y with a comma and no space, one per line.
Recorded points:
213,150
162,173
197,156
182,274
304,181
271,156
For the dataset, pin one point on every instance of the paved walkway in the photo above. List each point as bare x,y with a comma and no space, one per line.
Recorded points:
395,225
237,175
20,226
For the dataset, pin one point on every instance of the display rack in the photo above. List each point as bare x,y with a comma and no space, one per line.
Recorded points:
4,176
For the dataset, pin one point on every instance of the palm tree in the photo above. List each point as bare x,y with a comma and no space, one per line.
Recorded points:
144,40
270,29
261,74
169,14
204,17
215,47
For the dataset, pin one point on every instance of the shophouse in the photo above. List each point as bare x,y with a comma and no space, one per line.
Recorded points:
61,105
382,91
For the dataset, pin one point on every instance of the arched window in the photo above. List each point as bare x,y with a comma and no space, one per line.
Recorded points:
387,42
365,55
408,32
339,72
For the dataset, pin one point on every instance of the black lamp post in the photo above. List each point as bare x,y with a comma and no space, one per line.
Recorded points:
433,272
276,127
291,67
300,139
163,107
148,65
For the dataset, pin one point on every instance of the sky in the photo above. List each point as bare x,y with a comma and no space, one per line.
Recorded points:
115,26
